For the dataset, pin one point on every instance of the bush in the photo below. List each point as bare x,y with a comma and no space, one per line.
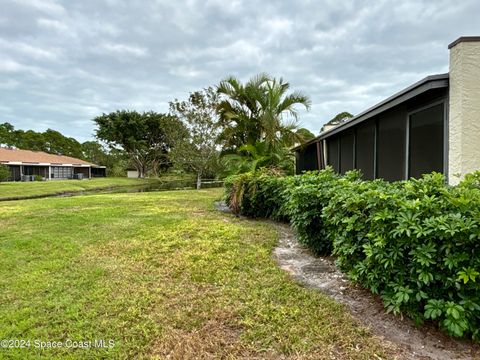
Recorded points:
4,173
415,243
38,178
304,205
258,195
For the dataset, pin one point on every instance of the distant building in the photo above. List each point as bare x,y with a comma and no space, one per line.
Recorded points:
433,125
24,165
132,173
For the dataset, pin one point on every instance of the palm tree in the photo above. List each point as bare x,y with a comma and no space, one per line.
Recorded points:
279,116
239,110
259,121
259,111
254,157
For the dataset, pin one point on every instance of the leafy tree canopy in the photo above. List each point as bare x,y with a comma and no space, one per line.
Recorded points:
259,120
198,151
262,109
50,141
305,134
337,120
146,137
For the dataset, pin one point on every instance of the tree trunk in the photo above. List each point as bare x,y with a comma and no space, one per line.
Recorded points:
199,180
141,171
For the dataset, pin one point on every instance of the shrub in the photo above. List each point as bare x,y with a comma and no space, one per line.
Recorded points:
38,178
258,195
4,173
234,190
415,243
264,197
304,206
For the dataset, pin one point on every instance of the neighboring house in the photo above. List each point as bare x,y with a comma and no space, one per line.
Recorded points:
433,125
24,164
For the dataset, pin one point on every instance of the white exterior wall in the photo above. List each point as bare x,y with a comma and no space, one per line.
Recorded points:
132,174
464,110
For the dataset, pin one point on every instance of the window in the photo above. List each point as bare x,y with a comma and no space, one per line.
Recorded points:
365,149
62,172
346,151
426,141
333,153
391,146
306,159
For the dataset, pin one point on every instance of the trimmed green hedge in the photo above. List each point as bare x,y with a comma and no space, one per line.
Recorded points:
416,243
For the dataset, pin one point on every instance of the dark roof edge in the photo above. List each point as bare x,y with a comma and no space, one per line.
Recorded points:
464,39
427,83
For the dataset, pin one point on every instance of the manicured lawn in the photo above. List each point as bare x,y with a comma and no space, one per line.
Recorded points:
18,190
164,275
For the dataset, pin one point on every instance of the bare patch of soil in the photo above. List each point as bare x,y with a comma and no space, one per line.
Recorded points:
425,342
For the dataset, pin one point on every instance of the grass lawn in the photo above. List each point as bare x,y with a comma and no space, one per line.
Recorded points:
19,190
164,275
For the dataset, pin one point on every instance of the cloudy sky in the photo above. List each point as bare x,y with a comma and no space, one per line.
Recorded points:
64,62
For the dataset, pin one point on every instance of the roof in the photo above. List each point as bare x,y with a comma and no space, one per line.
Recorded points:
427,83
464,39
38,157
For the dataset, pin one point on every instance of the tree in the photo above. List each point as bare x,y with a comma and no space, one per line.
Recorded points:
198,152
279,116
305,134
254,157
4,173
94,152
28,140
337,120
146,137
261,114
239,111
54,142
50,141
6,134
260,110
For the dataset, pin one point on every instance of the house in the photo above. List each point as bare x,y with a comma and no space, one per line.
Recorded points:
26,164
433,125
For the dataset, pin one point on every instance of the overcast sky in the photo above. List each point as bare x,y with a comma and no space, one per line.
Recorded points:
64,62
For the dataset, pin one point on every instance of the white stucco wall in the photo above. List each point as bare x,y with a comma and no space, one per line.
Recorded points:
464,111
132,174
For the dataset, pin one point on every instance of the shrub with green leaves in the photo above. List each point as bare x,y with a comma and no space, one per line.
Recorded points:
304,206
415,243
258,195
4,173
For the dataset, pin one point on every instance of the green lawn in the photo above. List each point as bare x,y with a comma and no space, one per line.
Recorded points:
20,190
163,275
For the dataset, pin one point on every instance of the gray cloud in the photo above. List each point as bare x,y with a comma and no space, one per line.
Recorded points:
62,63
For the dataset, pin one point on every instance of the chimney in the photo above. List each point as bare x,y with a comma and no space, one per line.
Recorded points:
464,108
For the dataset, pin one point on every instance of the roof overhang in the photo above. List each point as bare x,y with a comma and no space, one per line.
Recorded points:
47,164
420,87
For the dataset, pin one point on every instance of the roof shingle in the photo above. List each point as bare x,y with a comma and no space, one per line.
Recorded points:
32,157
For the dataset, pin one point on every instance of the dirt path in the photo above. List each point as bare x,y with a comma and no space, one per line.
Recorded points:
320,273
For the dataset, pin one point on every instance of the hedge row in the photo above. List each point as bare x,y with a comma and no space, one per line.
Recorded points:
415,243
